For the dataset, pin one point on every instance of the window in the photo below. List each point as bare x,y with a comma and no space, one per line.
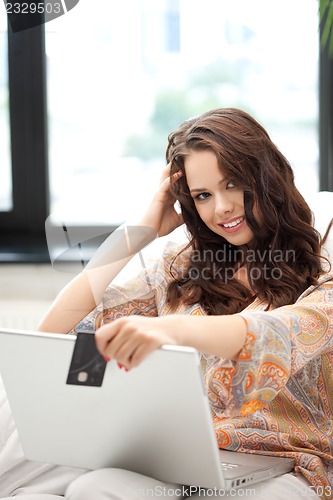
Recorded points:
119,83
121,76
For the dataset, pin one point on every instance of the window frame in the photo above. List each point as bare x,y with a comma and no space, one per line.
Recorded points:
325,119
23,227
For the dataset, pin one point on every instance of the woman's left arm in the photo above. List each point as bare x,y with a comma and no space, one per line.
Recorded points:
129,340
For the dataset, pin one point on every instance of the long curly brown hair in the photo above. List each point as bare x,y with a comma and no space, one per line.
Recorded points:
284,257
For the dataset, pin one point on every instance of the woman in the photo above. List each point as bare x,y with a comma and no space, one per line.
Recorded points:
249,292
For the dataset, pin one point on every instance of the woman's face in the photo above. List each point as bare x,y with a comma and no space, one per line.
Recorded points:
219,202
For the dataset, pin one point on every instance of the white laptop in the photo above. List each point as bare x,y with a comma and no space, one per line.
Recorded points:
154,419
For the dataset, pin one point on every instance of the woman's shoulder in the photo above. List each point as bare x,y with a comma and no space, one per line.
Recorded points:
314,293
324,284
167,249
176,251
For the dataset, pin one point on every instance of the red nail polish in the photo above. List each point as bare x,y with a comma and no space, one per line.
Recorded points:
106,358
121,366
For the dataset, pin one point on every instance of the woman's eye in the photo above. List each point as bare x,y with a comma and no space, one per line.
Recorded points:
201,196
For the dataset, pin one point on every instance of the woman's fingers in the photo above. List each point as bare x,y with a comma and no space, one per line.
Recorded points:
165,173
105,334
167,177
129,340
120,338
141,352
165,188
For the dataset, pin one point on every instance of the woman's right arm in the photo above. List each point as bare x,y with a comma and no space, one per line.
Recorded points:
86,290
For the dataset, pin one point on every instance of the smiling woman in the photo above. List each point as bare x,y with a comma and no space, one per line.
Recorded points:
240,179
247,291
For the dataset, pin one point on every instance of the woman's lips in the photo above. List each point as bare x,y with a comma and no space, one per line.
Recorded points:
235,228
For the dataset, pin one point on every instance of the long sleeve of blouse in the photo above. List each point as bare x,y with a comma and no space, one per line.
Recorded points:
283,345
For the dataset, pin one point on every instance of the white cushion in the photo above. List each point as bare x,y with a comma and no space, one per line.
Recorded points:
321,204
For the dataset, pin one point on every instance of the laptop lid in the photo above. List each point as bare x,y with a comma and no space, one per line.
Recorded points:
154,419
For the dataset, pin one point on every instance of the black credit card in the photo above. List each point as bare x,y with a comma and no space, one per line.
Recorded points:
87,365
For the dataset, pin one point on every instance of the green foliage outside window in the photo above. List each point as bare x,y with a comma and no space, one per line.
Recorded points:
326,21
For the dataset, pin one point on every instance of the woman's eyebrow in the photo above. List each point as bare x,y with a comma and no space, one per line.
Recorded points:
205,189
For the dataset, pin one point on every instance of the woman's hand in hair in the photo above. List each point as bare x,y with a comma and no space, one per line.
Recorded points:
161,214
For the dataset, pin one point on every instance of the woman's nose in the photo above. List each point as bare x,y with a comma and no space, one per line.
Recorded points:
223,205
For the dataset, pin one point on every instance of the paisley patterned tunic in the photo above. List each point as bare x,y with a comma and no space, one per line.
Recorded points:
277,398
